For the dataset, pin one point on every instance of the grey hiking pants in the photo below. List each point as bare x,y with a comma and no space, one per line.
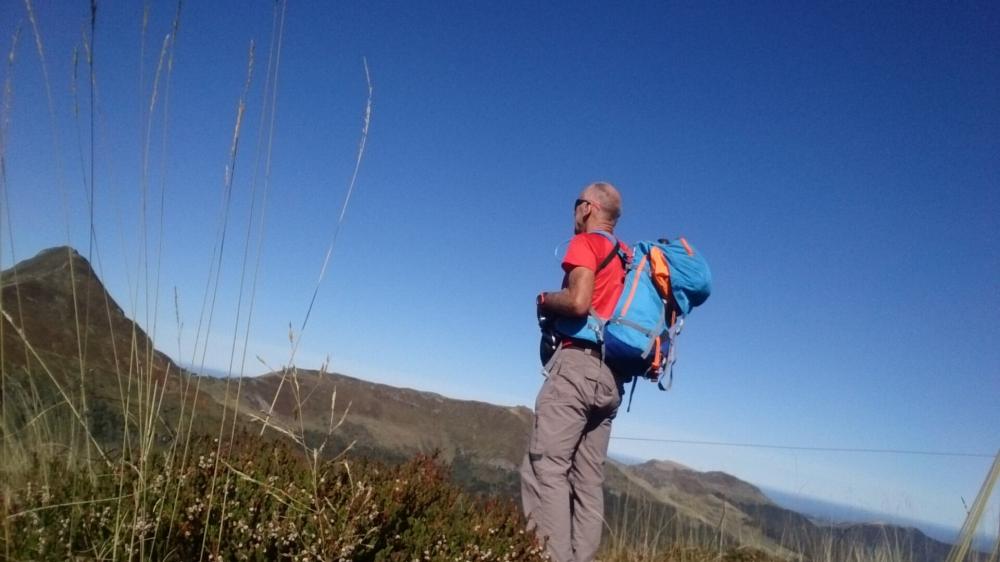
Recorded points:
563,470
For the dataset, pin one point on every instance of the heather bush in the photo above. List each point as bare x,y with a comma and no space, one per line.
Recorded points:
275,507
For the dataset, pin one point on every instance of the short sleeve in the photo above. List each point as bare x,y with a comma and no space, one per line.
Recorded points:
580,253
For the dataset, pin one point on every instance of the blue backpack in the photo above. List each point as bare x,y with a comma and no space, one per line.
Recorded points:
663,282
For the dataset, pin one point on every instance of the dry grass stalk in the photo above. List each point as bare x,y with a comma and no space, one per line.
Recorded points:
961,548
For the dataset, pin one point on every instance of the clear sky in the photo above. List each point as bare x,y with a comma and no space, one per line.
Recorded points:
838,164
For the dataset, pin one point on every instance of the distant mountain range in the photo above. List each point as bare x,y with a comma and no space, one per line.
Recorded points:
483,442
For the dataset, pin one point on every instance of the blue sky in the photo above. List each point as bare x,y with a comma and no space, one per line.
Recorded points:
837,164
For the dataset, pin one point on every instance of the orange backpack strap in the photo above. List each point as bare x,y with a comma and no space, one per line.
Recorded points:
660,270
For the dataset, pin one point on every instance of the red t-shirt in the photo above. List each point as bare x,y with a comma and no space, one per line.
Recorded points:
589,250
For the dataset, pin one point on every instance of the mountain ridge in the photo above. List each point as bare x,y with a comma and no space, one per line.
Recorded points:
48,294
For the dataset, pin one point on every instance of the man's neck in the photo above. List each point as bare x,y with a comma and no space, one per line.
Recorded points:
609,228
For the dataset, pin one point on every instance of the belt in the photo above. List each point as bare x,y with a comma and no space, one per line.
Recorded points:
590,348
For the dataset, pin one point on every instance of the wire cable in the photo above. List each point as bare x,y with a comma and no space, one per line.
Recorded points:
807,448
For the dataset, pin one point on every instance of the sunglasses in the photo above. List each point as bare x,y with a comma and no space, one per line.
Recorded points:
582,201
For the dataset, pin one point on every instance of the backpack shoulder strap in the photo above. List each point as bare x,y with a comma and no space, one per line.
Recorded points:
614,249
604,263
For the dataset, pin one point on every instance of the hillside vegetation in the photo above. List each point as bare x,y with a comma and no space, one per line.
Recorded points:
275,507
112,451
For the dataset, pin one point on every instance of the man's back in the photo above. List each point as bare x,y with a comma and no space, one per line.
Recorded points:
589,250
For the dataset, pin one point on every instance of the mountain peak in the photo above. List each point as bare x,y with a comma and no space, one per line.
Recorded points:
664,465
669,475
57,262
56,296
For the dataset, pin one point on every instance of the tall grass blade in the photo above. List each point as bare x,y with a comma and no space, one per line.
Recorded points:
961,547
366,122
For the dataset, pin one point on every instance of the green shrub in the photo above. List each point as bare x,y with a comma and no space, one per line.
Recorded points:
276,507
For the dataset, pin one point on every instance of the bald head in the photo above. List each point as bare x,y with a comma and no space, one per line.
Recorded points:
607,198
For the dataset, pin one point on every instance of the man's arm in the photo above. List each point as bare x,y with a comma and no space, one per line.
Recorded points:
574,300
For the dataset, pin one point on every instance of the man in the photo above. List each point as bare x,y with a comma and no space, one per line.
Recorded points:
563,471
